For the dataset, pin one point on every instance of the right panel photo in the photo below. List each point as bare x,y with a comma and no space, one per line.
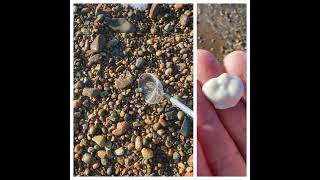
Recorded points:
221,90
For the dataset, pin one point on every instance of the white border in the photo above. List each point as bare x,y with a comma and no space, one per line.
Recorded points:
195,3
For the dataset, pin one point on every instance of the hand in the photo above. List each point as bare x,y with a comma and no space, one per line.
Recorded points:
221,133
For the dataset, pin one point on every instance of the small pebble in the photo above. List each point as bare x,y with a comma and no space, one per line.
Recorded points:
122,127
149,41
119,151
91,92
178,6
92,130
168,72
156,126
176,156
147,153
190,160
181,168
109,171
186,127
103,162
96,165
138,143
86,158
76,104
98,43
139,62
180,115
86,172
131,146
159,53
77,148
102,154
100,140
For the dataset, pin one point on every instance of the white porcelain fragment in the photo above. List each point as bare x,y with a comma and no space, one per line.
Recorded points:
224,91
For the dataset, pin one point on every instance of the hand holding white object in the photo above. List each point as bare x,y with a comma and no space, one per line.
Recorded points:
221,132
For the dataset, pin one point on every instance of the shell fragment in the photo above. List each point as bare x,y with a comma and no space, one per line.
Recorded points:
224,91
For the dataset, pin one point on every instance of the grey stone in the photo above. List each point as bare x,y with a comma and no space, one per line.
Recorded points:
186,127
121,25
91,92
99,18
139,62
168,27
98,43
113,42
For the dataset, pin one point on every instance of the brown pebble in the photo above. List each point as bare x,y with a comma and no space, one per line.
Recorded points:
162,66
162,121
121,68
148,121
130,146
168,72
178,38
138,143
96,165
167,45
108,10
189,169
102,154
77,156
178,6
132,67
160,132
147,153
183,50
181,168
190,160
159,53
184,72
76,104
175,60
77,148
153,31
120,160
137,165
170,152
156,126
124,171
137,123
121,128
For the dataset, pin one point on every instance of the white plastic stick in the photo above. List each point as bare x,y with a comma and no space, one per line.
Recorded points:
183,107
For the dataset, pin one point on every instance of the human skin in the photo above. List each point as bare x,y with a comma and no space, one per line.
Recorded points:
221,132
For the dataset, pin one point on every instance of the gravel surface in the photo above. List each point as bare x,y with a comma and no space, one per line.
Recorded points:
221,28
116,133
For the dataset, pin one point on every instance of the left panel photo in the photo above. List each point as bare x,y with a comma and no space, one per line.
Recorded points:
133,89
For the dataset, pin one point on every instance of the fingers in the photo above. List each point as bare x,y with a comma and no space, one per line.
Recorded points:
206,72
220,151
233,119
202,166
235,64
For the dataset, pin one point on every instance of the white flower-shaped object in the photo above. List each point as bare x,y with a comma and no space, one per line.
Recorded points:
224,91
